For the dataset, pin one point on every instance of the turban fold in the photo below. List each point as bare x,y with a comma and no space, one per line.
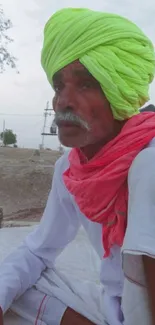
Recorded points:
113,49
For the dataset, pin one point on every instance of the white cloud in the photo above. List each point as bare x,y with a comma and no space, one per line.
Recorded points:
28,92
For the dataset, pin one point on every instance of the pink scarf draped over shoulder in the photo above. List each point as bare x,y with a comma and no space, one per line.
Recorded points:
100,186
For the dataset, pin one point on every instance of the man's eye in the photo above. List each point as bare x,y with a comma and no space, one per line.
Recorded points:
57,88
86,85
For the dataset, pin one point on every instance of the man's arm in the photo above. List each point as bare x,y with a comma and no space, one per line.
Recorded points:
139,243
149,269
71,317
1,317
23,268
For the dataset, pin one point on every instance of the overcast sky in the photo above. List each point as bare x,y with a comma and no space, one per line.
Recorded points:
27,92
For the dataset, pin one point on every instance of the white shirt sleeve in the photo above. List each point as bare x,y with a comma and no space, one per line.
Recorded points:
140,234
58,227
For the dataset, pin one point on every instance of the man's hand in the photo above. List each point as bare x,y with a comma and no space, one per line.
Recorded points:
149,269
72,318
1,317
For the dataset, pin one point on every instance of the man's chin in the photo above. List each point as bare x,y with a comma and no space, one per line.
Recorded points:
71,142
68,144
73,139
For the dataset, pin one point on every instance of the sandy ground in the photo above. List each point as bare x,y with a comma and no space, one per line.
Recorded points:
25,181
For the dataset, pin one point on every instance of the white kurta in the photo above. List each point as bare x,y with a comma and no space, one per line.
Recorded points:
59,225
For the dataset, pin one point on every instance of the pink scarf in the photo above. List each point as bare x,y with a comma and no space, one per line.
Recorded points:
100,186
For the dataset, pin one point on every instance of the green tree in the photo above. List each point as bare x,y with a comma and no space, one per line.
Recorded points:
6,59
8,137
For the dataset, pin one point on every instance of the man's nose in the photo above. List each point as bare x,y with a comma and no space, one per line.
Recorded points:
66,100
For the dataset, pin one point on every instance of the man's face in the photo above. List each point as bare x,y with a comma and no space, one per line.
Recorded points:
82,112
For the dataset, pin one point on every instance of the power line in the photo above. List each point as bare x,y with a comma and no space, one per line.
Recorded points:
17,114
30,126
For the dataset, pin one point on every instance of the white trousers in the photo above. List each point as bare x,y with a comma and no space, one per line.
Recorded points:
35,306
70,283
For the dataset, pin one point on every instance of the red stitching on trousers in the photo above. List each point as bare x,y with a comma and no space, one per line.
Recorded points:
39,310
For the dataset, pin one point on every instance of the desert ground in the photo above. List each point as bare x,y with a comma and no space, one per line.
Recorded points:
25,181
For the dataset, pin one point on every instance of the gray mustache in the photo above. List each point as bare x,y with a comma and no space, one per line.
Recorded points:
70,117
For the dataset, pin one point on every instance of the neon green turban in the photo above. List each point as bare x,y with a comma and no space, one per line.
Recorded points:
114,50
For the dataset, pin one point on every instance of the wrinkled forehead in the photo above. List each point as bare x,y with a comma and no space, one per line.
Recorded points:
76,69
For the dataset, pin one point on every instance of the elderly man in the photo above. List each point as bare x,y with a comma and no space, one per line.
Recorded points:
100,66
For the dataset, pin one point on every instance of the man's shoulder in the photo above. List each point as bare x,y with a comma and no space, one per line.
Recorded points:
62,163
144,164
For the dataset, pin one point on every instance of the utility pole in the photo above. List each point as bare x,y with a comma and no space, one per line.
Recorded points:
46,114
3,130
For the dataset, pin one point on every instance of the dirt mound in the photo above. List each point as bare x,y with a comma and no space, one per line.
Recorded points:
25,181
